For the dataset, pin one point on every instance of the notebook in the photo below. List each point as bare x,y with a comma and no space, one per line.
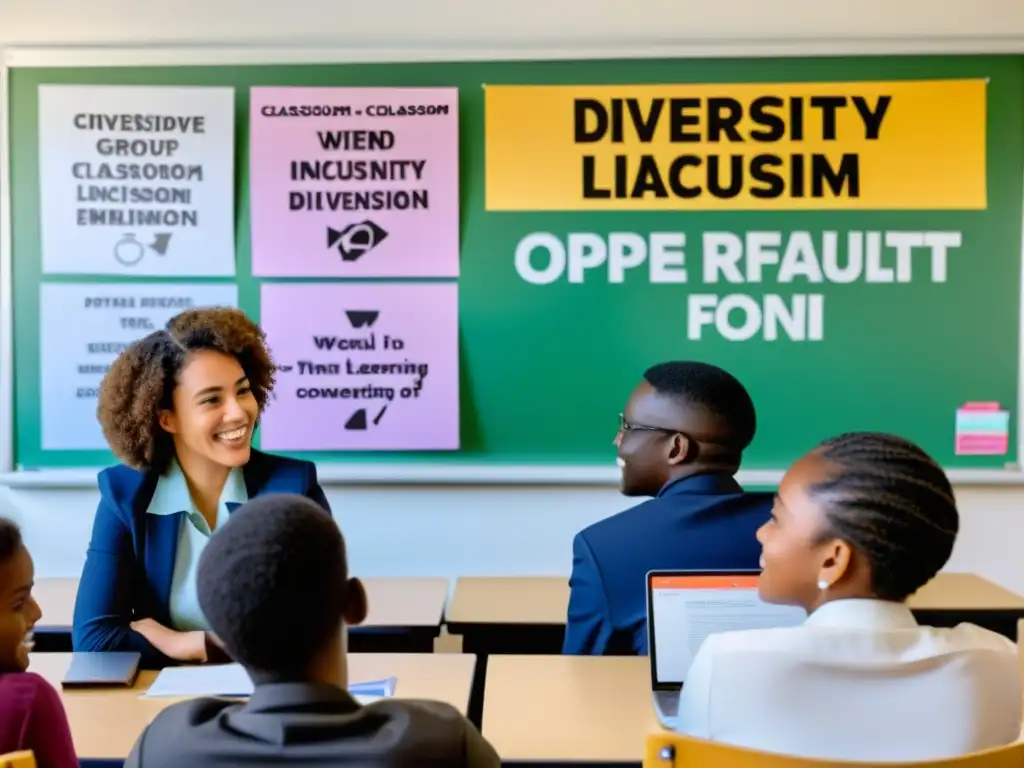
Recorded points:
98,670
232,682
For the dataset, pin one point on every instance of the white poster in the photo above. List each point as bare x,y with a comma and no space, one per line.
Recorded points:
82,328
137,180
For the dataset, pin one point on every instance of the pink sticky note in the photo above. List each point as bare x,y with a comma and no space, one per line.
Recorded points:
364,366
982,444
354,182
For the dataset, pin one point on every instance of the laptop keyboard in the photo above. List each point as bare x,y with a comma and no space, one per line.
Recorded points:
668,702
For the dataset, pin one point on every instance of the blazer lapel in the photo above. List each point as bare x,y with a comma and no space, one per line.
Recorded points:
255,474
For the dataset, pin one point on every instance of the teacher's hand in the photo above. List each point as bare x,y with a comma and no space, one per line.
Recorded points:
180,646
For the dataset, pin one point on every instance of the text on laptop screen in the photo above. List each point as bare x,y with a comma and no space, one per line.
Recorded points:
686,609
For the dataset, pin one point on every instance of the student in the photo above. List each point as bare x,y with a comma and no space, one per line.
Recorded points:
680,440
31,715
274,584
859,525
179,408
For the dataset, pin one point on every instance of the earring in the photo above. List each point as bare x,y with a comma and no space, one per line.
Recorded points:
823,585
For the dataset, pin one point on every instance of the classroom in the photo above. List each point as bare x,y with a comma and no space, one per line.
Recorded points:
707,193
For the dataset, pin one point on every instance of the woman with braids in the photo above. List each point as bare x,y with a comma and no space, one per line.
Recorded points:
178,408
859,524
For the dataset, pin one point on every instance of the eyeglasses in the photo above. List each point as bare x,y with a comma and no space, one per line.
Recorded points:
629,426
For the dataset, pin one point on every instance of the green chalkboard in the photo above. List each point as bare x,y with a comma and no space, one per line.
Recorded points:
545,369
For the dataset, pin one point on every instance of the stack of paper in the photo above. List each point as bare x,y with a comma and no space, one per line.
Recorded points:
232,681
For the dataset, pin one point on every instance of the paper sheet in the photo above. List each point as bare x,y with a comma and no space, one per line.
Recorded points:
232,681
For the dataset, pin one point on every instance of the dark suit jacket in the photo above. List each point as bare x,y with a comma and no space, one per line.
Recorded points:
130,561
704,521
308,724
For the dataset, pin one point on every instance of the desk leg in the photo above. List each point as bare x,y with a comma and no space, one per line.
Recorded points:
475,710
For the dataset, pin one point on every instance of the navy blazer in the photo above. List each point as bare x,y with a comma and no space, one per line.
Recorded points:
130,562
699,522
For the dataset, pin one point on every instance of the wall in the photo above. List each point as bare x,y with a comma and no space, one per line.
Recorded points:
561,25
511,530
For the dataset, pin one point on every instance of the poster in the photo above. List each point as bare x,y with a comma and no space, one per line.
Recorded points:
354,182
878,145
137,180
982,429
363,367
82,329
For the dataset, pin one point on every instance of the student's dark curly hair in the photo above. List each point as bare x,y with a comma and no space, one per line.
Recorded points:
140,382
273,584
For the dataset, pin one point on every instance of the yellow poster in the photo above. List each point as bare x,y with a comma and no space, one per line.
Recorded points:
903,145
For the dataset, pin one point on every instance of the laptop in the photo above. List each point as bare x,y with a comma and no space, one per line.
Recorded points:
113,669
684,607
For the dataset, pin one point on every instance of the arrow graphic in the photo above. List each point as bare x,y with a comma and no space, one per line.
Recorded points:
357,421
161,242
362,317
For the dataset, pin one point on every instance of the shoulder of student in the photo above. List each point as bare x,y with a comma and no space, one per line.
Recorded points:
426,709
979,638
119,484
437,733
23,686
169,730
628,518
840,640
271,464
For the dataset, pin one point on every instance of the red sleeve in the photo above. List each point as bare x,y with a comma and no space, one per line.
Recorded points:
47,732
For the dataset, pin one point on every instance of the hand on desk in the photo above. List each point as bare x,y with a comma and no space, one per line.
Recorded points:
180,646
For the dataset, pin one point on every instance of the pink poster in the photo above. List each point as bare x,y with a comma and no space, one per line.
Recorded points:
354,182
982,429
363,366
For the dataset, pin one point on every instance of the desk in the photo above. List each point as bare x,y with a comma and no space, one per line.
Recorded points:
569,709
527,615
405,615
105,723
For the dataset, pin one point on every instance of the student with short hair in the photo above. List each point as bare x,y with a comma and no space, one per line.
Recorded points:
179,409
275,587
31,714
681,439
859,525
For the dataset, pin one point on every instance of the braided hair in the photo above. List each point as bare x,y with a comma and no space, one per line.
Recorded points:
893,503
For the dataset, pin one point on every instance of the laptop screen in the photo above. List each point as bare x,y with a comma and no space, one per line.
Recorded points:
685,607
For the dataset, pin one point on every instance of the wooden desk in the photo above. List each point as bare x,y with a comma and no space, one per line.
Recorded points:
569,709
405,615
106,723
527,614
965,592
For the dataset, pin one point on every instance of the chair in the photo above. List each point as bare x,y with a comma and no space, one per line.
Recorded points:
24,759
669,750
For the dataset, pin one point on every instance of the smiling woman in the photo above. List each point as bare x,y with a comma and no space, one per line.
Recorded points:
179,408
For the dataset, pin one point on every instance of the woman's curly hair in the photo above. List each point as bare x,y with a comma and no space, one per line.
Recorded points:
141,380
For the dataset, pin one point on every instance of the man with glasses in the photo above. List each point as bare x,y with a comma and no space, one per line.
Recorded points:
681,439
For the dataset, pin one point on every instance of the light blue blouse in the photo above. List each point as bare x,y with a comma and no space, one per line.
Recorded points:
172,497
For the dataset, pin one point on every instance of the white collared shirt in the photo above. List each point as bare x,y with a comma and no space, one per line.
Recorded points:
858,680
172,497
